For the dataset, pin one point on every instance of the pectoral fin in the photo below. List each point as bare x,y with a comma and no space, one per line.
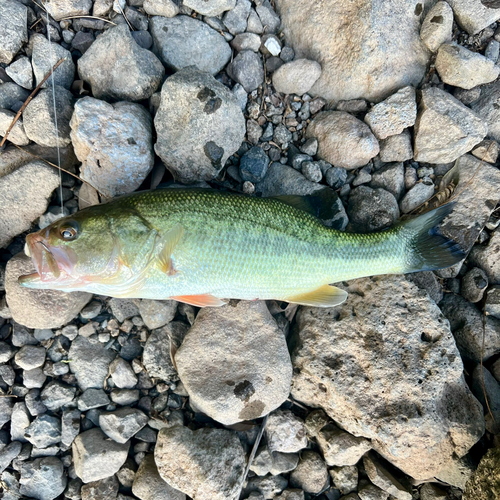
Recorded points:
325,296
205,300
170,241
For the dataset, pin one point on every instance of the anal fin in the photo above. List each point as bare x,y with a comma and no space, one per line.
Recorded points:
203,300
324,296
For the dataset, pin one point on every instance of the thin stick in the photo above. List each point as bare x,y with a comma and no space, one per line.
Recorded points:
23,107
123,14
89,17
481,364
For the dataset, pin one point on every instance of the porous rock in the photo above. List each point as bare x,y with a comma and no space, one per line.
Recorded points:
13,29
199,125
437,26
432,367
114,144
445,128
182,41
39,308
311,475
248,359
343,140
212,461
344,37
285,432
296,77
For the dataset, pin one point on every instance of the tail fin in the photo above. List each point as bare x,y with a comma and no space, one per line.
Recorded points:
427,248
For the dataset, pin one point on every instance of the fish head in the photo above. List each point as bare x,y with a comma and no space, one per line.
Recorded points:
72,251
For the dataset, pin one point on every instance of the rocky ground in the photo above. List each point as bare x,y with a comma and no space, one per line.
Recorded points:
384,109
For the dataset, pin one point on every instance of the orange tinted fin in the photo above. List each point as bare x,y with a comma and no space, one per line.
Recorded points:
170,241
205,300
325,296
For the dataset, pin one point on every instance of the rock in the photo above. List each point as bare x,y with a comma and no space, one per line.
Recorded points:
56,395
282,135
390,177
17,135
296,77
336,177
311,474
485,481
92,398
312,171
246,41
89,362
82,41
487,258
21,72
371,492
210,7
253,381
236,19
12,96
417,196
38,308
275,463
392,116
473,15
486,108
445,129
114,144
19,422
13,29
268,16
122,424
343,140
372,209
487,150
30,356
396,148
148,485
70,426
165,8
484,382
474,284
96,457
426,280
491,306
492,50
271,45
44,431
122,374
59,9
123,309
157,313
40,119
333,29
212,124
45,56
429,388
285,432
104,489
182,41
212,460
340,448
382,477
437,26
463,68
246,69
310,147
345,479
474,201
9,453
136,77
43,478
156,357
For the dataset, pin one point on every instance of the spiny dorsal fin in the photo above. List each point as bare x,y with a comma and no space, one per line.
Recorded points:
170,241
324,296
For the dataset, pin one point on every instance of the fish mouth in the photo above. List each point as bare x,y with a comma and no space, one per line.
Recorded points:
51,263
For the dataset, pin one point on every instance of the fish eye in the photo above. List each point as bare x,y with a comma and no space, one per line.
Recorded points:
69,232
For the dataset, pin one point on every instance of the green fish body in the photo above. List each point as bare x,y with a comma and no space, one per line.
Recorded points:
200,246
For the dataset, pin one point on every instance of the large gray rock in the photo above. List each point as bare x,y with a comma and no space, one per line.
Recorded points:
40,118
199,125
445,128
210,7
114,144
487,108
148,485
59,9
24,196
17,134
488,258
463,68
13,29
248,383
43,478
349,40
117,68
39,308
387,323
343,140
212,461
474,15
89,362
182,41
96,457
45,56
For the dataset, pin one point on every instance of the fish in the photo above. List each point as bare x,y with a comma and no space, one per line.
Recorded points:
202,246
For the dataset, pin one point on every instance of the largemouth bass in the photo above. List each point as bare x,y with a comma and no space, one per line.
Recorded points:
200,246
